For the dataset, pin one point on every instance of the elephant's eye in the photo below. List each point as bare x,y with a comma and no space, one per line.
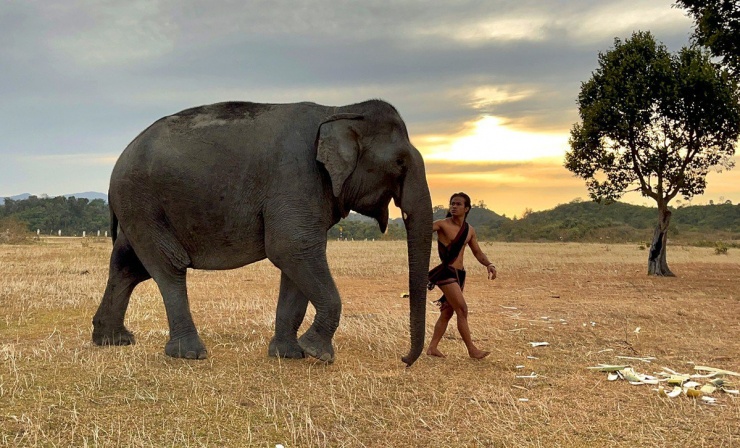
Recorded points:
400,162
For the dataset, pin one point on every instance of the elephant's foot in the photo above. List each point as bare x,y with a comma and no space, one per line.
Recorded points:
106,336
281,348
188,347
317,346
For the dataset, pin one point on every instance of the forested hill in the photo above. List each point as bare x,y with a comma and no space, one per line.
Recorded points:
724,217
574,221
591,221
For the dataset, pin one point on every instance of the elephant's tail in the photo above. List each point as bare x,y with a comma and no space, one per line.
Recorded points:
113,224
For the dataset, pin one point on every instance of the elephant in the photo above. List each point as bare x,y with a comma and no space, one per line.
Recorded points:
224,185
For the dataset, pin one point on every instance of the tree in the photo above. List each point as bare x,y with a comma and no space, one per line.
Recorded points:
656,123
717,28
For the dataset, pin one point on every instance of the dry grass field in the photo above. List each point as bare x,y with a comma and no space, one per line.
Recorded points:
586,300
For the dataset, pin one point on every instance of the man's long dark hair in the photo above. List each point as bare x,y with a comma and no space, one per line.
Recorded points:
466,198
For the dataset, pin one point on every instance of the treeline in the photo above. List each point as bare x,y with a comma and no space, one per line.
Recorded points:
620,222
574,221
50,215
579,221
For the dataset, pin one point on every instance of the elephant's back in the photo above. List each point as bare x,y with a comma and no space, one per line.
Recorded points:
204,174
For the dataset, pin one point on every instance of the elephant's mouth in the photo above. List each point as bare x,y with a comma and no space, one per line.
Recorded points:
377,211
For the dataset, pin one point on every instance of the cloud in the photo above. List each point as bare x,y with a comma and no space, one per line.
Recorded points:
84,77
117,34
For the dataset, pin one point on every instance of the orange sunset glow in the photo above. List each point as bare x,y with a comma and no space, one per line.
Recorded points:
511,169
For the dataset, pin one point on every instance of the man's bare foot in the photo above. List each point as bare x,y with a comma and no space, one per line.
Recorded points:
478,354
435,352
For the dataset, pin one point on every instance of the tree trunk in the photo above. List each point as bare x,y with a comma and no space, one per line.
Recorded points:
657,264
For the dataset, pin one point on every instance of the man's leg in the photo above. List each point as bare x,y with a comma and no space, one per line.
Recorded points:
456,300
445,314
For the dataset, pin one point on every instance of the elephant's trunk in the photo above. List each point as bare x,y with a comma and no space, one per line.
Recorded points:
416,205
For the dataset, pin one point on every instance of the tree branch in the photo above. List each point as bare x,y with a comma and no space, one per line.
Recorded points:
636,166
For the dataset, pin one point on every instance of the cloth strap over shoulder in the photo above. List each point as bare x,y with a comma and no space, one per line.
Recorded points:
444,273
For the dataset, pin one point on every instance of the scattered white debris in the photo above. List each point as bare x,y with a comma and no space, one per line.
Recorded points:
519,367
524,400
531,376
637,330
636,378
645,359
609,367
678,379
676,383
539,344
675,392
716,371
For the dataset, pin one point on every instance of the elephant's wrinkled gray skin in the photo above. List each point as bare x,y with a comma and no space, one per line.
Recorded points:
228,184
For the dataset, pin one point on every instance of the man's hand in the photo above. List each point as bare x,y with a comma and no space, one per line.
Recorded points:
491,272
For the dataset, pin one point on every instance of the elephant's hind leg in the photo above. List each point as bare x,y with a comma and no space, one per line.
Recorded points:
167,261
291,309
126,271
184,339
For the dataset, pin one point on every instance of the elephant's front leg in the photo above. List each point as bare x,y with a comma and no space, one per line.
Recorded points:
291,309
312,277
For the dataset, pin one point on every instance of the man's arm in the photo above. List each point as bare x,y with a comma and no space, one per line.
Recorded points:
436,225
480,256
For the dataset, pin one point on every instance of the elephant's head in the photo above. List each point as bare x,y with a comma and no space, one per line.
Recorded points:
366,151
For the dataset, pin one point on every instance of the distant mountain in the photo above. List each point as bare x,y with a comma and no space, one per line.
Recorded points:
18,197
90,195
478,216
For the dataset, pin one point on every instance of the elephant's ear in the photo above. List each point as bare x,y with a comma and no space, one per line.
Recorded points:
338,148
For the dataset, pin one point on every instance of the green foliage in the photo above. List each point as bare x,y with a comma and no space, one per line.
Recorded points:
717,27
13,231
653,122
70,215
574,221
720,248
365,229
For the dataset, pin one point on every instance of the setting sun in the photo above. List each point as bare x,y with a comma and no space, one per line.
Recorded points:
490,140
505,168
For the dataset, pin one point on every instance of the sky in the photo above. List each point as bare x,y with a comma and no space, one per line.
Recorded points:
487,88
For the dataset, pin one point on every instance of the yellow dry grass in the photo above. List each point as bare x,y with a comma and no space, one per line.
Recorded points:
586,300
